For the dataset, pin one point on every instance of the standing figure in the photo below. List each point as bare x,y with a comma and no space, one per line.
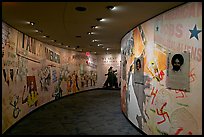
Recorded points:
32,96
109,80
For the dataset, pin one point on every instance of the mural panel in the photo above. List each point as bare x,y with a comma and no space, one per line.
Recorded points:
34,73
171,46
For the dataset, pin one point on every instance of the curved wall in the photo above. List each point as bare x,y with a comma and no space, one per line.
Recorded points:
157,95
35,73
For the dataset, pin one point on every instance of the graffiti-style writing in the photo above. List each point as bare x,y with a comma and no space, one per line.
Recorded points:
179,130
45,78
54,76
16,109
161,75
162,113
181,92
51,55
154,94
192,75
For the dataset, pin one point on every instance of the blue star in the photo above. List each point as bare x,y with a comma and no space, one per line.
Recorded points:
194,32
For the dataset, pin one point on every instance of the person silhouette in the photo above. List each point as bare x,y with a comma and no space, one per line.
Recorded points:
110,79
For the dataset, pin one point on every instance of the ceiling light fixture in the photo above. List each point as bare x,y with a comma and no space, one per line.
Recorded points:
94,40
32,23
36,31
94,27
110,7
80,8
53,40
45,36
100,19
90,33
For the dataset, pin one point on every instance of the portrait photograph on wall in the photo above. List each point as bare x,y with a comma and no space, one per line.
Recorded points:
178,68
139,70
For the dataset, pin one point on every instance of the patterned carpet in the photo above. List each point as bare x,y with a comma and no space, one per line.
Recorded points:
94,112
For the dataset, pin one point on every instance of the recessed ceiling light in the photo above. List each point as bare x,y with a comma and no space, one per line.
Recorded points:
80,8
53,40
44,36
94,27
110,7
36,31
107,48
100,19
90,33
95,40
32,23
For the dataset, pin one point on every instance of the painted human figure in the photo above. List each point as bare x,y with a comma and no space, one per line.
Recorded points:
69,84
75,86
133,110
32,97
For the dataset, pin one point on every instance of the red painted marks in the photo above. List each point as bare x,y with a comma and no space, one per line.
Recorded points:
192,75
182,93
162,113
179,130
154,94
161,75
190,133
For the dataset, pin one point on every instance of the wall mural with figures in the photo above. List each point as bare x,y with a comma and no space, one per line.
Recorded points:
35,73
105,61
161,85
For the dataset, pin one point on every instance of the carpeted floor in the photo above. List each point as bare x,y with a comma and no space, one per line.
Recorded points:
94,112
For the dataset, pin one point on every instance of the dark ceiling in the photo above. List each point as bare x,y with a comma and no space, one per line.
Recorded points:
68,23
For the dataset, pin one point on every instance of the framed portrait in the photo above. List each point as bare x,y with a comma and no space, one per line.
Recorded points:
139,70
178,67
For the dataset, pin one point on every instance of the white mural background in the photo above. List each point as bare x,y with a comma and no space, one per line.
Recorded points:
35,73
165,111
